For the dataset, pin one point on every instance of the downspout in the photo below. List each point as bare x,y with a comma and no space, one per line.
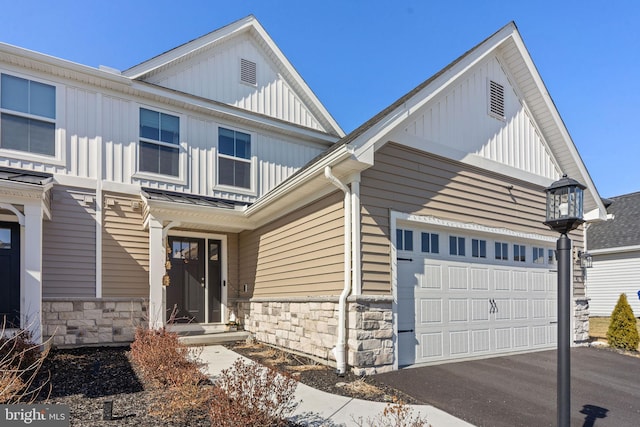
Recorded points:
340,350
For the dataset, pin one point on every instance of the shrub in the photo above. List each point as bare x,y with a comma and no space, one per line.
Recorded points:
249,394
172,368
622,332
20,362
396,414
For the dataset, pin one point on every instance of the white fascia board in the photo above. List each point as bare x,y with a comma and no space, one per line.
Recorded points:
233,220
570,145
232,113
619,249
52,61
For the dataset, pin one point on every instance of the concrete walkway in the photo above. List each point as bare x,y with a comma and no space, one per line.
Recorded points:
320,409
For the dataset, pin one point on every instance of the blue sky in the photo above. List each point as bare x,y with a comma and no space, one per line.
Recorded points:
360,56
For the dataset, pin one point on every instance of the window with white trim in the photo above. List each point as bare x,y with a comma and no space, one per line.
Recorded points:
519,253
502,251
27,115
430,243
456,246
234,158
538,255
404,240
478,248
159,149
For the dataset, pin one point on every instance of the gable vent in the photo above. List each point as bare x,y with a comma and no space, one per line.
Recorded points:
248,72
496,100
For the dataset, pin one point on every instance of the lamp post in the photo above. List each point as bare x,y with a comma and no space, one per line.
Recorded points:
564,213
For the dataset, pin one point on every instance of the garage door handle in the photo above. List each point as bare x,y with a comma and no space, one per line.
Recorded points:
405,331
493,307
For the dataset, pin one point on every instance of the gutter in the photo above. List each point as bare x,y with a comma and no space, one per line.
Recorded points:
340,350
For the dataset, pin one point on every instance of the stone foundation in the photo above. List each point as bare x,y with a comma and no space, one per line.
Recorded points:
581,321
82,321
310,326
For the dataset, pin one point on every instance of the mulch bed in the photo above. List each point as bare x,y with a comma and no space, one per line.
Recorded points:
86,378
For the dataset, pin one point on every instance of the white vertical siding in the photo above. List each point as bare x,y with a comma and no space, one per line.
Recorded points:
81,119
459,119
216,76
118,116
610,276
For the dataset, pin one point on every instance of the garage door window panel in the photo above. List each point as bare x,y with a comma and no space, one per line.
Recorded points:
456,246
478,248
404,240
430,243
519,253
502,251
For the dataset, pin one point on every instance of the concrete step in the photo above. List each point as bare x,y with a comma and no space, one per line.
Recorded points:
213,338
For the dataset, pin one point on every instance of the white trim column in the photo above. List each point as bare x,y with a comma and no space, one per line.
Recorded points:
157,257
31,254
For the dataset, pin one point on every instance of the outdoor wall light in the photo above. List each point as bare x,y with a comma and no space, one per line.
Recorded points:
564,213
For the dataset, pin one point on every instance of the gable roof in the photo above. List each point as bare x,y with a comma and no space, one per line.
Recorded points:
622,229
248,25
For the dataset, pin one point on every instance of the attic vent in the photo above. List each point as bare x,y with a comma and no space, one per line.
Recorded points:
496,100
248,72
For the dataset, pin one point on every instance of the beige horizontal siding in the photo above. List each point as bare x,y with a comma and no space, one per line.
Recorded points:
410,181
125,249
69,245
300,254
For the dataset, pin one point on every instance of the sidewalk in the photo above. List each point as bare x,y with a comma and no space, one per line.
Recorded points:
320,409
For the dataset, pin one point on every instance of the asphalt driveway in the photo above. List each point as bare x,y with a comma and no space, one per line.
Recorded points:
520,390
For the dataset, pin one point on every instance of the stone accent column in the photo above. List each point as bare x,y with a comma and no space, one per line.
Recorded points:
581,321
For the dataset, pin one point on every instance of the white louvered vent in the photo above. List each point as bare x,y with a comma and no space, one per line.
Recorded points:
248,72
496,100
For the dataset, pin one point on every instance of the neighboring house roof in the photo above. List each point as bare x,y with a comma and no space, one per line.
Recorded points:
623,227
25,177
248,25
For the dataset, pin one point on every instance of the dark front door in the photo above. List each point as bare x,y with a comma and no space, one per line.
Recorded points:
215,281
10,274
186,290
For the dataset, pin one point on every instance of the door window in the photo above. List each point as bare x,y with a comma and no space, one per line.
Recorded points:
5,238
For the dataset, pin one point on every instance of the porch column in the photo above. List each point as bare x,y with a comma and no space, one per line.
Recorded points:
157,257
31,300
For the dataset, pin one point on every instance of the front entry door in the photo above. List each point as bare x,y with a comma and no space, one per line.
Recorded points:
186,291
9,274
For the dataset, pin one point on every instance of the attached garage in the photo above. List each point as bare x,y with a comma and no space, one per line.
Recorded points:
465,293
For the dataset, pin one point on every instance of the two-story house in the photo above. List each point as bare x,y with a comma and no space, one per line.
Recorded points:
210,179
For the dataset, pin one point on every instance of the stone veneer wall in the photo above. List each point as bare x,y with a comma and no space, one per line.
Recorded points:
581,320
80,321
309,325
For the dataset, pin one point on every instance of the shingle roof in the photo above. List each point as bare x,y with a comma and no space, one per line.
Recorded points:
189,199
620,231
26,177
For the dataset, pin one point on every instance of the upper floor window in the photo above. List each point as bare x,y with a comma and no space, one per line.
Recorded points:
27,115
159,143
404,240
478,248
234,158
430,243
456,245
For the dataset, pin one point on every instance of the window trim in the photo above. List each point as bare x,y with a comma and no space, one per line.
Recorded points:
252,161
59,147
182,146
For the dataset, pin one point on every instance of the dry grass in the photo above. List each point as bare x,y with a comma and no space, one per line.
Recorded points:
362,387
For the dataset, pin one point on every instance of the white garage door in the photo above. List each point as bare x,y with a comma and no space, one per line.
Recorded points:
473,301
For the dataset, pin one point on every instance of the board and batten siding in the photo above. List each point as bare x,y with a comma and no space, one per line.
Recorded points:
301,254
125,248
69,245
414,182
216,76
459,119
611,275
